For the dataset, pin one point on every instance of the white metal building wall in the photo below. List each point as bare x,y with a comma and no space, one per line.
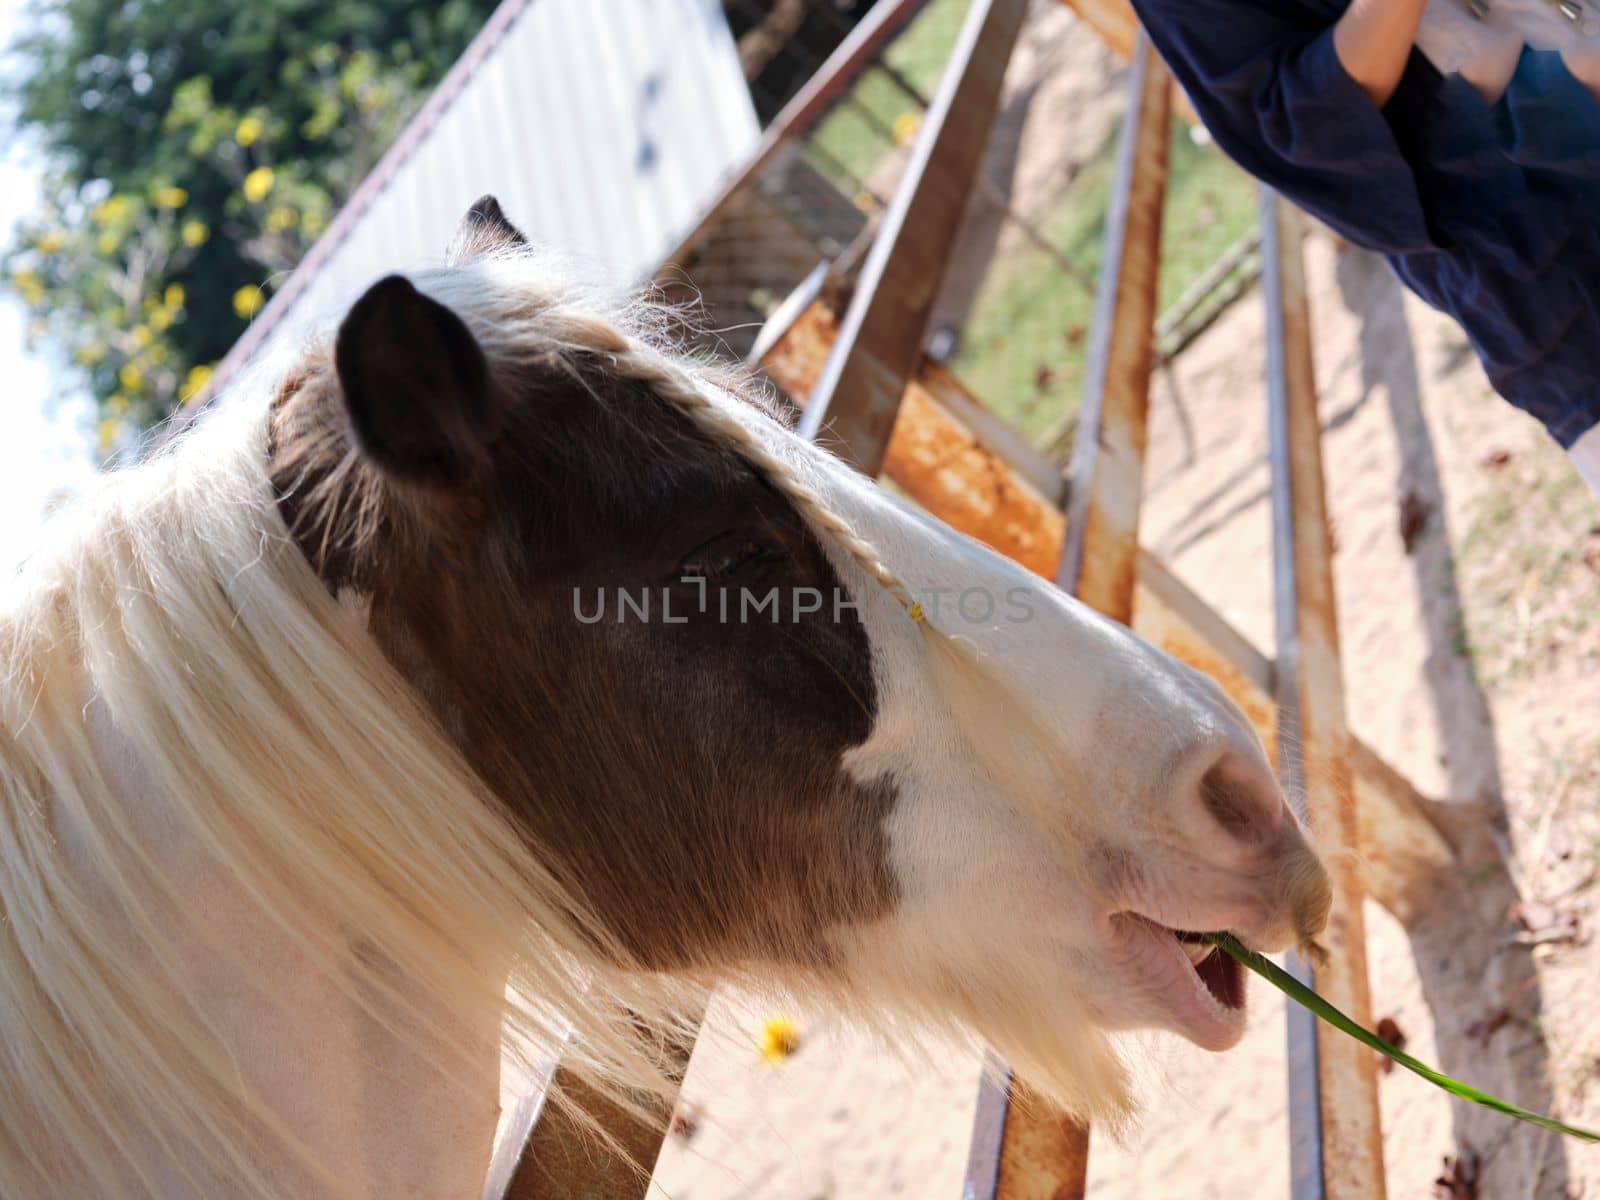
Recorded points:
602,126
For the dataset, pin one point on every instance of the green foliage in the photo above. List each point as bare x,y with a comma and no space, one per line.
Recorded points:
194,150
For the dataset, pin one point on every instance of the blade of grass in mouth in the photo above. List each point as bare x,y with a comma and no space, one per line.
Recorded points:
1301,994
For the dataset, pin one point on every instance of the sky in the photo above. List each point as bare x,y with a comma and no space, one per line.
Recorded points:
45,442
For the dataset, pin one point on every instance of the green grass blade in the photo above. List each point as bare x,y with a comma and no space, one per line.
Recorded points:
1301,994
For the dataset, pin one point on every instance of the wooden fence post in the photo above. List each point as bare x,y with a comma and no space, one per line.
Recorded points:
1336,1146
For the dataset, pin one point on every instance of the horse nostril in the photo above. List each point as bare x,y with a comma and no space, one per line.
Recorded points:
1243,798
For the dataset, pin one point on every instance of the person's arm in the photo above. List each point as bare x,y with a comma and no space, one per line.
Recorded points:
1373,40
1268,81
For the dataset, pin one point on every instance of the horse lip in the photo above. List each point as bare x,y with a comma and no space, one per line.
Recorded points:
1161,966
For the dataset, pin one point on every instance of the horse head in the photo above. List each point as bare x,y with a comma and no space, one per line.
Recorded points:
765,719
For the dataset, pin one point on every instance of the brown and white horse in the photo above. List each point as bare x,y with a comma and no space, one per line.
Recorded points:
484,671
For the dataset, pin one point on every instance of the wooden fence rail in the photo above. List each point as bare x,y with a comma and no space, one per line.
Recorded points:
1335,1141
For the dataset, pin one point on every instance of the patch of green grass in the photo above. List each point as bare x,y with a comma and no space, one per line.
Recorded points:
1022,347
852,139
1211,204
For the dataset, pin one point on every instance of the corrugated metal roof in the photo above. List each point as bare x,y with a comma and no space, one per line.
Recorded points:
603,126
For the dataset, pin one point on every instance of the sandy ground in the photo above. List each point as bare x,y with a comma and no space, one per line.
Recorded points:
1468,570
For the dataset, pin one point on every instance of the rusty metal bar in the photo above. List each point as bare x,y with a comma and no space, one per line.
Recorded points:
1107,472
809,105
1336,1145
1022,1147
1115,23
562,1159
984,188
1041,1153
879,345
1113,20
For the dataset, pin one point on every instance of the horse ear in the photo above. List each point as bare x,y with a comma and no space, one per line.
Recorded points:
484,230
416,384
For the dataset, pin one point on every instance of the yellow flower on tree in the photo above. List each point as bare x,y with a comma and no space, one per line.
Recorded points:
109,210
130,377
247,301
161,321
194,383
52,241
249,131
171,197
141,336
780,1038
29,286
257,184
117,404
195,233
281,218
174,296
107,243
106,434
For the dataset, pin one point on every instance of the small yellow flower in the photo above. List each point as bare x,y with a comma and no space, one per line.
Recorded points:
29,286
247,301
109,210
106,434
51,242
195,233
161,320
117,405
905,127
141,336
171,197
194,383
281,218
312,223
174,296
107,243
257,184
249,131
91,355
157,354
780,1038
130,377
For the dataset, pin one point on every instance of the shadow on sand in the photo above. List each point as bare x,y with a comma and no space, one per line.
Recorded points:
1482,988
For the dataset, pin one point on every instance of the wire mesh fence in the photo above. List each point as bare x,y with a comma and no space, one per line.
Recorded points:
1017,287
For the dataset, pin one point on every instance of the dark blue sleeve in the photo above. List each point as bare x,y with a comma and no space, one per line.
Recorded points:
1267,82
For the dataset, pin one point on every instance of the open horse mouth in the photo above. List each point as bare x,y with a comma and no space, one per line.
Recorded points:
1201,988
1221,974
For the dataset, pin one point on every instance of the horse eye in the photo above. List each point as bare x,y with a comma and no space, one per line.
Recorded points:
727,554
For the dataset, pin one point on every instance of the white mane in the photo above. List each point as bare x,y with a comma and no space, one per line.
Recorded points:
174,614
